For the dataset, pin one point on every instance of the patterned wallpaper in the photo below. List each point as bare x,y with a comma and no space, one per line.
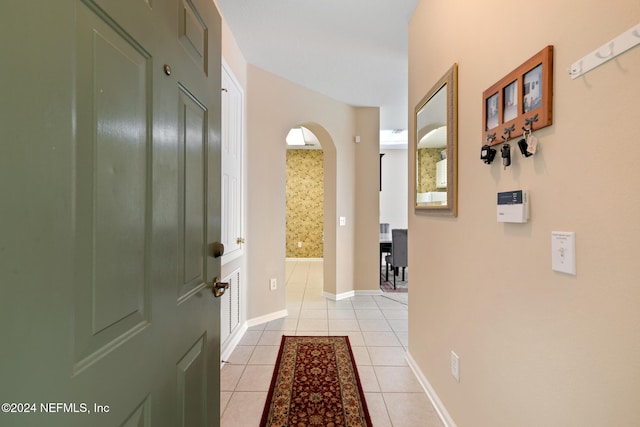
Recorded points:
305,203
427,159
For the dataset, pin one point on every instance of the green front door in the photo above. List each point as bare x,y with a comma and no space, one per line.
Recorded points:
109,205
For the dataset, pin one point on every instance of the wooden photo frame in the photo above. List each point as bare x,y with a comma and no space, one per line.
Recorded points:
520,100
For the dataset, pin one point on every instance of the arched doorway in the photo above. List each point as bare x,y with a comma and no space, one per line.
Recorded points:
304,195
318,158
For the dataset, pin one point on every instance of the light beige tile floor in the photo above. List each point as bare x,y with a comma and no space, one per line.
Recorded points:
377,330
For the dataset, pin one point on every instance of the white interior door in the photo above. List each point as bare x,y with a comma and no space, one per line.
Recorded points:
232,152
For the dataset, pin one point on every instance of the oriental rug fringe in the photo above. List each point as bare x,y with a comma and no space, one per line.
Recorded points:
315,383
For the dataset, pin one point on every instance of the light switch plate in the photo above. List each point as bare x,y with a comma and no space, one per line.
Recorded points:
563,251
343,221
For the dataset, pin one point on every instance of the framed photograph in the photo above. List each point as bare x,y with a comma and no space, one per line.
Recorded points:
522,98
532,89
510,97
492,112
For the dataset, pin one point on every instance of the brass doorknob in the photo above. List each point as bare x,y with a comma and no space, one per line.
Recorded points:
218,287
217,249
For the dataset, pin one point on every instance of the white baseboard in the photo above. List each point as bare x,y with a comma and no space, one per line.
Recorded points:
431,393
232,342
338,297
349,294
304,259
369,293
267,318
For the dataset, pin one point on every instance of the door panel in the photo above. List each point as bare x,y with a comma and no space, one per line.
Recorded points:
194,34
140,416
192,400
192,136
110,188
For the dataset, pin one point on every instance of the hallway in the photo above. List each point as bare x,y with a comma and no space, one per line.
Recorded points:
377,330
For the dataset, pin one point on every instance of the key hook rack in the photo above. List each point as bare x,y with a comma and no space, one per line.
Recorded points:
606,52
522,94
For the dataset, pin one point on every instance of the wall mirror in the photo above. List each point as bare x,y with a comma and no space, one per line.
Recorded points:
436,147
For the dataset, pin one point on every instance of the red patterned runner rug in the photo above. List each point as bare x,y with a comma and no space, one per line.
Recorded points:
315,383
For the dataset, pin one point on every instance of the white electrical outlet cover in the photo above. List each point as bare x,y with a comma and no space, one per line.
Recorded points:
455,366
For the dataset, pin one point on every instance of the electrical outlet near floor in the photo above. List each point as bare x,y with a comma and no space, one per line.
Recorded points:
273,284
299,244
455,366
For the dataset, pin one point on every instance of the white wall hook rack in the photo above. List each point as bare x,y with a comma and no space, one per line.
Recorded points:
606,52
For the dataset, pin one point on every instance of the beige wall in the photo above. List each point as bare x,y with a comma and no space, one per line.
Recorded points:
305,203
275,105
231,53
367,201
536,347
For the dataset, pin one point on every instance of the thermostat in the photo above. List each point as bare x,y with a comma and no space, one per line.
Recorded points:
513,206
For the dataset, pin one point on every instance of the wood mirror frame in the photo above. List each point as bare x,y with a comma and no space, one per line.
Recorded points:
436,147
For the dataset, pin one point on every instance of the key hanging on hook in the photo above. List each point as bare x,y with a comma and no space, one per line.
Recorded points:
505,153
531,141
523,144
507,131
486,152
528,123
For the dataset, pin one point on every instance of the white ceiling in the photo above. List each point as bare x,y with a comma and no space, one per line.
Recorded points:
354,51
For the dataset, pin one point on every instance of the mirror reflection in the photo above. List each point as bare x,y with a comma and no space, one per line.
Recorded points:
435,147
431,183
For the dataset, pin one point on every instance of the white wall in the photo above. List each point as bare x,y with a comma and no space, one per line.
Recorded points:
394,195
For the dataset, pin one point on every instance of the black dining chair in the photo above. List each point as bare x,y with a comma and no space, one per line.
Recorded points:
385,242
398,258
